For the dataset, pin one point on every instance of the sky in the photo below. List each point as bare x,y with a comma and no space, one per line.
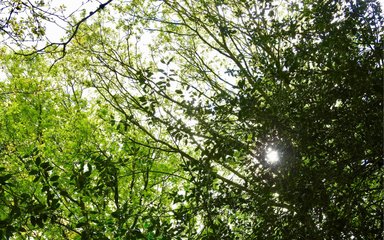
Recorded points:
55,33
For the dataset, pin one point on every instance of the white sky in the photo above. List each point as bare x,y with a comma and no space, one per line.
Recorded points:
53,31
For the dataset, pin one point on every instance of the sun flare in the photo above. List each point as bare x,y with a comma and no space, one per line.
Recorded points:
272,156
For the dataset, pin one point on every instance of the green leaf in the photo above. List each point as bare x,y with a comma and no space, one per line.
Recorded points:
45,188
36,178
81,224
45,165
54,178
38,160
33,172
115,214
5,178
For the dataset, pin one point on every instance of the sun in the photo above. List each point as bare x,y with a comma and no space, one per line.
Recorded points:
272,156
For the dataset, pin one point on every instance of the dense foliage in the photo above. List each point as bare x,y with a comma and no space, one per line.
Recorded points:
154,120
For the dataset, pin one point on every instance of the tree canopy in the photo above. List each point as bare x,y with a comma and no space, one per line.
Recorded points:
158,119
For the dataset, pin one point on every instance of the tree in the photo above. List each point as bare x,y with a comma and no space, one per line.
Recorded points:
191,116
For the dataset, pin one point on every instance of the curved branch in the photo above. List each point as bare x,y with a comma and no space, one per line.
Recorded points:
73,34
